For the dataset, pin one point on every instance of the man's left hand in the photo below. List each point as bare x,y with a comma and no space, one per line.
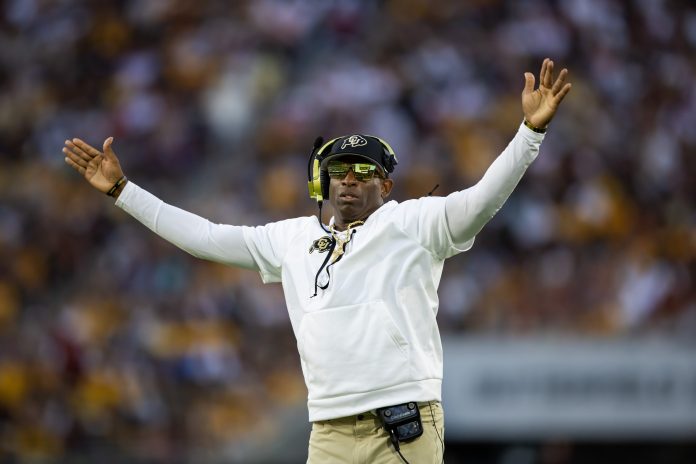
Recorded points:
541,104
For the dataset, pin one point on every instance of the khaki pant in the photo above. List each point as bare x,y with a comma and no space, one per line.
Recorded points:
362,440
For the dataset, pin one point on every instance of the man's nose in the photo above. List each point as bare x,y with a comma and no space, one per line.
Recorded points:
349,178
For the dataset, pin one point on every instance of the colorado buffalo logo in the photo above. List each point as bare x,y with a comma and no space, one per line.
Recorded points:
321,244
353,141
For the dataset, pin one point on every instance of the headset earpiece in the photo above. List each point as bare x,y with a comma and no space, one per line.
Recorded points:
389,157
318,180
315,181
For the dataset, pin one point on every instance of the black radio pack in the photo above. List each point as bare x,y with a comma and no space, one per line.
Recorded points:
402,421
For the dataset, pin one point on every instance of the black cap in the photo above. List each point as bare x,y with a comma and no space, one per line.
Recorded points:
364,146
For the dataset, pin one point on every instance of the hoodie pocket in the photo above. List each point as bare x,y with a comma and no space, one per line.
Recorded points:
352,349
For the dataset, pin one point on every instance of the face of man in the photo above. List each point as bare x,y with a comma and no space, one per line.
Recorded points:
355,200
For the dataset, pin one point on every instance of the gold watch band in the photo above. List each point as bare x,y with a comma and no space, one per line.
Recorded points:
534,128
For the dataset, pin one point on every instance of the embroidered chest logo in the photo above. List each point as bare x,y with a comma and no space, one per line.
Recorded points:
353,141
321,244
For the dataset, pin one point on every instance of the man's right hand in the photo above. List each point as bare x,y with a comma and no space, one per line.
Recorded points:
101,169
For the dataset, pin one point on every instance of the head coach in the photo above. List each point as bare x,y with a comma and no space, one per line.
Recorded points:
371,354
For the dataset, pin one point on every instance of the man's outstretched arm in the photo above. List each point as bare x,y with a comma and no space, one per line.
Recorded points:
469,210
191,233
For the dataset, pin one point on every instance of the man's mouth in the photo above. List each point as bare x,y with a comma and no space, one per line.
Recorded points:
347,196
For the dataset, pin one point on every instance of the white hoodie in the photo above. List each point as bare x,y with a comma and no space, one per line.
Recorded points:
370,339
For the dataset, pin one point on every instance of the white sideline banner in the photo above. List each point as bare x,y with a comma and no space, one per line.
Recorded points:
582,389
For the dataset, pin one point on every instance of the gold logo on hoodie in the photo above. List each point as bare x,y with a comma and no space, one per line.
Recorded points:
321,244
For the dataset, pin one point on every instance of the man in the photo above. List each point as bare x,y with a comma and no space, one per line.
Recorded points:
362,291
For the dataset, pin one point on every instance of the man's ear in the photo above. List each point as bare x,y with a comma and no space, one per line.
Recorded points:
387,185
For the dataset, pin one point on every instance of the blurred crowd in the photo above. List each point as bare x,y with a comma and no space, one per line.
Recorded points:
111,338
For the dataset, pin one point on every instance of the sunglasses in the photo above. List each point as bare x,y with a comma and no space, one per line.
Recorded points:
362,171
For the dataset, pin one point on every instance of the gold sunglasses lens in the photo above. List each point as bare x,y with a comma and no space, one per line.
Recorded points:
338,170
361,171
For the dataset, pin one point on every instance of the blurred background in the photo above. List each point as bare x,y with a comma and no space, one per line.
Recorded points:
569,329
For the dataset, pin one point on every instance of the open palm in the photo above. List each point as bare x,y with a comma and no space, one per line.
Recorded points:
541,104
101,169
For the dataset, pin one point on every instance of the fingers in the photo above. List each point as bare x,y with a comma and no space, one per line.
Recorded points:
528,83
542,72
76,165
85,147
108,152
548,74
70,147
76,157
563,92
81,156
559,82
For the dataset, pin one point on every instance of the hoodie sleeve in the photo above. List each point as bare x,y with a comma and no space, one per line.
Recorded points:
448,225
469,210
197,236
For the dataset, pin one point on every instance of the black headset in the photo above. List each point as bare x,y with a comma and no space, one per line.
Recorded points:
318,179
